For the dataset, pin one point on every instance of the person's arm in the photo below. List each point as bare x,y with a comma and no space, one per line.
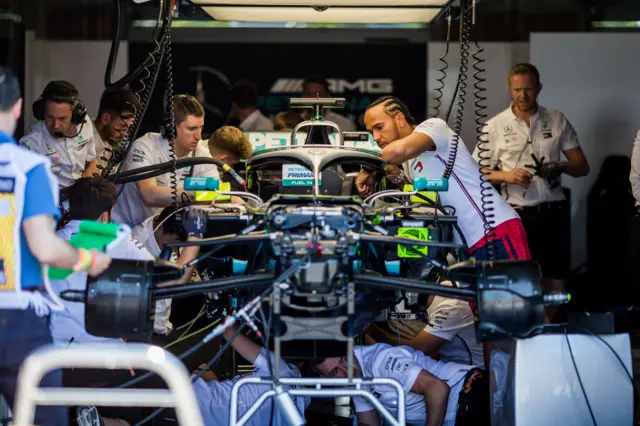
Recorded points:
576,164
91,168
634,175
243,345
436,396
368,418
407,148
154,195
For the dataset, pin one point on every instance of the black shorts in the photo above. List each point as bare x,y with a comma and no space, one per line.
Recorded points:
474,400
548,228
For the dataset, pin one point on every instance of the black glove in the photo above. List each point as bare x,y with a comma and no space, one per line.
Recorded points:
194,222
549,171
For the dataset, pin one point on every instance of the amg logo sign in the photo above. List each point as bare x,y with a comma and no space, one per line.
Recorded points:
337,85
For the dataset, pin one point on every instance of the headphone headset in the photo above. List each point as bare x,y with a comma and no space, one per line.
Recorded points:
55,91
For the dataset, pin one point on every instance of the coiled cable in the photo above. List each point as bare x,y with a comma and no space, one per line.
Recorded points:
169,116
486,189
443,71
465,32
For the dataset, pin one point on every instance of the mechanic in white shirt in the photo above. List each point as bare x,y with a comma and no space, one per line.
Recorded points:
315,86
518,138
63,133
153,234
142,199
436,393
448,335
116,113
423,150
634,178
244,104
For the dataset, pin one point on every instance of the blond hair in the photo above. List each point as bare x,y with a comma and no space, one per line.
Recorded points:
232,141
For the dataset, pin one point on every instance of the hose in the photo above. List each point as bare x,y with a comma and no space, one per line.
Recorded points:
465,32
486,189
443,70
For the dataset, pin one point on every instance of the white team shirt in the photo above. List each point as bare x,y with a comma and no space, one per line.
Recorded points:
256,122
214,398
68,155
68,326
148,150
634,176
143,234
464,193
403,364
453,321
511,143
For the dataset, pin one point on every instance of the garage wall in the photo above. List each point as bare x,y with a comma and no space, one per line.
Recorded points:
81,62
499,58
593,80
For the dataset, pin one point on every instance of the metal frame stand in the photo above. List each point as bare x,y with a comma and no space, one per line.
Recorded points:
180,395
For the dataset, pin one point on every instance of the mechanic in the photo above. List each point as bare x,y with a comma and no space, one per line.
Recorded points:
28,206
423,151
286,121
214,397
63,133
115,115
152,235
436,393
138,201
244,104
230,145
449,334
634,242
316,86
524,143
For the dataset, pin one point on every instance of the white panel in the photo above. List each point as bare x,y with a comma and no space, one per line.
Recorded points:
593,80
82,63
321,3
394,15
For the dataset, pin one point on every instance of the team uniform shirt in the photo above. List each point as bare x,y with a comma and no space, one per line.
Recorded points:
511,142
403,364
68,327
634,176
214,397
453,321
149,150
143,235
464,193
256,122
69,156
38,200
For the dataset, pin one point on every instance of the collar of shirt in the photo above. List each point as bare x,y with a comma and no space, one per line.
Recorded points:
534,117
5,138
252,118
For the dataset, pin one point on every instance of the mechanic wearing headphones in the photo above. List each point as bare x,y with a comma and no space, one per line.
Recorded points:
524,146
423,151
63,133
315,86
436,393
448,335
153,234
139,200
115,115
28,206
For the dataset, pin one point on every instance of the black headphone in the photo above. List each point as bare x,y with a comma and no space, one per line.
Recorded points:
62,92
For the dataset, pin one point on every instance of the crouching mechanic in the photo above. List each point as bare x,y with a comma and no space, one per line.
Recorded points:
436,393
449,333
139,200
230,145
158,230
214,397
423,151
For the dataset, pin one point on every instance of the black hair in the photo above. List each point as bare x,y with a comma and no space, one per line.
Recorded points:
169,224
118,101
317,79
393,106
244,94
9,89
60,91
89,197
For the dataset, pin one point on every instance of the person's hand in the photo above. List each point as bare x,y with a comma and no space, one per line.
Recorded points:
551,171
364,183
194,222
101,262
518,176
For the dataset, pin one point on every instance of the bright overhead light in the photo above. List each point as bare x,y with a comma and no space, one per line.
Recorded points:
351,15
320,3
